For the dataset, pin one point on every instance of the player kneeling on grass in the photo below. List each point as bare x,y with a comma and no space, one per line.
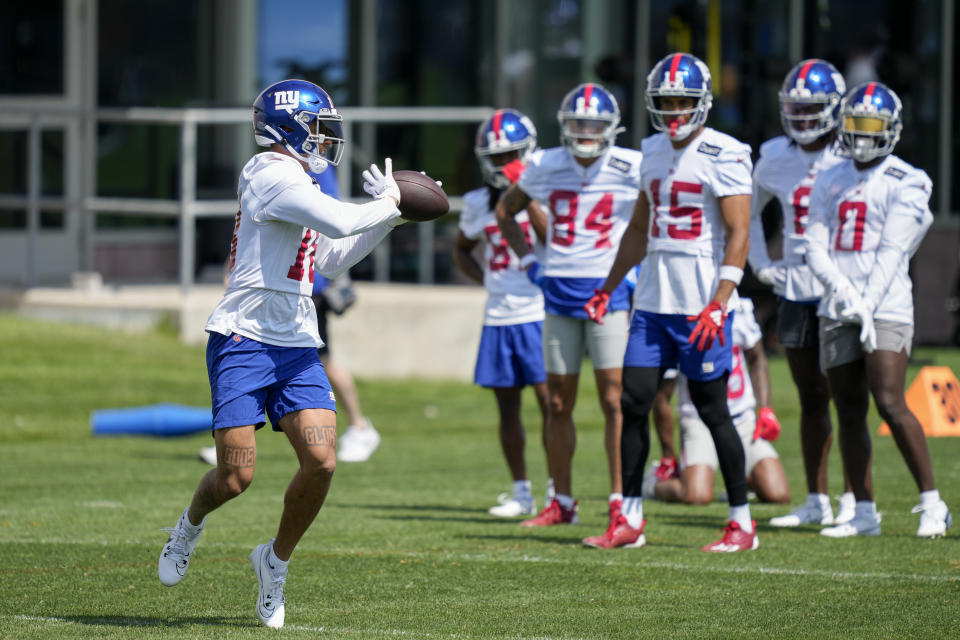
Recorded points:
757,429
868,216
262,349
510,355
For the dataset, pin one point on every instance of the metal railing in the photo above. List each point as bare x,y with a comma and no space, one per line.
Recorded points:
188,208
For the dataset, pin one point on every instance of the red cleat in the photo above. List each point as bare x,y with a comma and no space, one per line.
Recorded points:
553,514
735,539
667,469
619,534
615,506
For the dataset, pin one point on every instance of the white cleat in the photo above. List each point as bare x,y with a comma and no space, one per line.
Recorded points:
858,526
357,444
934,521
512,506
209,455
175,557
806,513
846,509
270,603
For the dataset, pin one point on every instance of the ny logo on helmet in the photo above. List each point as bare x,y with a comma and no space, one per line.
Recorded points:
287,99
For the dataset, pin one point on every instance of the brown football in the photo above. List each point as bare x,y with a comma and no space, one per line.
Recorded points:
421,198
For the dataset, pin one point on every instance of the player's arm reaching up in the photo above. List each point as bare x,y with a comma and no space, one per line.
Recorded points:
633,248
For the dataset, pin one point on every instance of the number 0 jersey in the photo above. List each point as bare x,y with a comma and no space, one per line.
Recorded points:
786,172
285,228
685,238
740,396
588,208
864,211
511,297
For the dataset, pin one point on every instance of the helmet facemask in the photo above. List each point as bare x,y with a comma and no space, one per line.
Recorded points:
807,119
867,137
588,137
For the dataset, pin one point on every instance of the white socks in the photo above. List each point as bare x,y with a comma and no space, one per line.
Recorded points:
565,501
521,489
929,499
741,515
280,565
820,500
866,509
632,510
615,496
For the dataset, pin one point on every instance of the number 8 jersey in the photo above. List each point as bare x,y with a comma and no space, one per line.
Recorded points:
685,238
885,206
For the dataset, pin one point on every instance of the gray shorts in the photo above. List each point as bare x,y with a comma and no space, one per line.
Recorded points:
840,341
798,326
566,339
698,447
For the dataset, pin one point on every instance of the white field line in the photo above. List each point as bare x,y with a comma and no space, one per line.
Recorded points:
499,557
364,633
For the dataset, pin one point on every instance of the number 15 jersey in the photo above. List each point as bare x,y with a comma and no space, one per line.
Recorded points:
686,238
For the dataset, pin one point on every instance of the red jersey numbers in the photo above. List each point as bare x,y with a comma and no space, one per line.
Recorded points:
801,204
307,246
500,251
564,206
853,218
687,230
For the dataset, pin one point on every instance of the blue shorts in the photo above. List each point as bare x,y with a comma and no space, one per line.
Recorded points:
250,380
510,356
660,340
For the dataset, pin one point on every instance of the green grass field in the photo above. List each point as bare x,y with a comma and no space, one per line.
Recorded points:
404,547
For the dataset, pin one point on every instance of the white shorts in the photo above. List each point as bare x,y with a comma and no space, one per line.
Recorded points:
698,447
565,340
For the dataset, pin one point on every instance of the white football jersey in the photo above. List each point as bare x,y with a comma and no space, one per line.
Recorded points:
888,204
285,228
686,237
740,396
588,208
511,297
787,172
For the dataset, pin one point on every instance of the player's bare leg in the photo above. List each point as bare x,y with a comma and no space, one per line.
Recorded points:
816,430
769,481
236,457
343,385
852,399
610,389
512,435
561,433
694,486
313,434
886,376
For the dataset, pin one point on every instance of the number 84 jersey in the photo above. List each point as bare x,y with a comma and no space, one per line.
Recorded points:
588,207
685,233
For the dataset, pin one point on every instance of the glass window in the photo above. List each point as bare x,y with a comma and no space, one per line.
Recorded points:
31,57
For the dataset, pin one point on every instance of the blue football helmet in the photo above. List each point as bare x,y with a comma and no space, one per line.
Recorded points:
506,131
300,116
588,118
810,100
679,75
872,119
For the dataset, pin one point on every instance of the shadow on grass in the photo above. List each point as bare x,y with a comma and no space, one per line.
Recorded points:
174,622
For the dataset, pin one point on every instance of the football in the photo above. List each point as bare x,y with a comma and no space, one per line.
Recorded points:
421,198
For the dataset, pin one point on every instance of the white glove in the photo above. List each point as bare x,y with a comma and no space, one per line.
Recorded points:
843,296
775,275
862,313
381,185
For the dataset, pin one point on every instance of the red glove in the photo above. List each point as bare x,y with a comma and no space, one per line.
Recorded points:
596,307
709,325
513,170
768,427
